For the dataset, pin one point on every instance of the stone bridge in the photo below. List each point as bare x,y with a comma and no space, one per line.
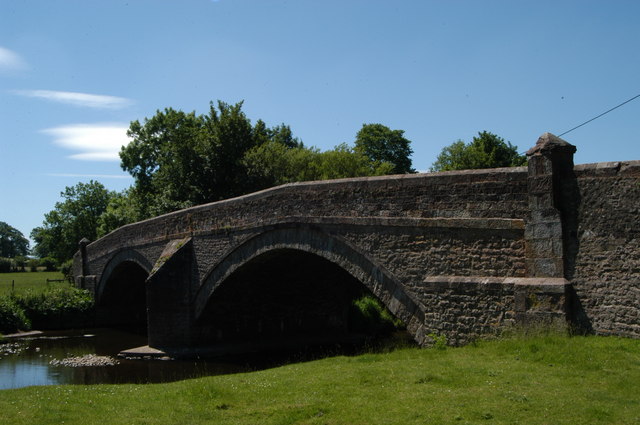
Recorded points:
460,254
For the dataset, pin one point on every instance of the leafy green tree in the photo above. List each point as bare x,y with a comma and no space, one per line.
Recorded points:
120,210
76,217
487,150
179,159
182,159
273,163
228,137
49,264
281,134
6,265
344,161
12,242
165,158
381,144
20,262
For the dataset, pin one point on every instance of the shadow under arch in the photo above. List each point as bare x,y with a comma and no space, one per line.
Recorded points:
332,248
120,297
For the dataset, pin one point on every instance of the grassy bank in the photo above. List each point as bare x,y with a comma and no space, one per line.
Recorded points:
28,281
541,380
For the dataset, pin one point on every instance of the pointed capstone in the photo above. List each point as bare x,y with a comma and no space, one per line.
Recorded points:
548,143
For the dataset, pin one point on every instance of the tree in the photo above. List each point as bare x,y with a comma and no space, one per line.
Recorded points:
273,164
12,242
344,161
381,144
229,135
182,159
120,210
487,150
165,158
74,218
179,159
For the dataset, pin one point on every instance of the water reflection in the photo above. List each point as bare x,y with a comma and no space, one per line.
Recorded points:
27,361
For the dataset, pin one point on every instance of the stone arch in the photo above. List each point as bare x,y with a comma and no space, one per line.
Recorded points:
123,256
331,247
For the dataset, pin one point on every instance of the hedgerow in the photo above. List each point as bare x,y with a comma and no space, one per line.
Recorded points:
54,308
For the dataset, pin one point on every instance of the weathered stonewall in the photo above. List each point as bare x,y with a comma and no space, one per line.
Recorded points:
460,254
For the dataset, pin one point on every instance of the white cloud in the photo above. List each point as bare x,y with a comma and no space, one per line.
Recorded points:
78,99
11,61
95,142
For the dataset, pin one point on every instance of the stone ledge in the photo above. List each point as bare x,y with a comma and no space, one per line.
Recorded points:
445,223
542,285
608,169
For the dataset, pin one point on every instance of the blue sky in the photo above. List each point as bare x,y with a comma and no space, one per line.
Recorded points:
73,74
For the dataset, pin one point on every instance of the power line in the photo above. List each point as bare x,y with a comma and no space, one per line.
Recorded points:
604,113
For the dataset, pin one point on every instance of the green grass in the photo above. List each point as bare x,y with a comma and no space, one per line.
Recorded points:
521,380
28,281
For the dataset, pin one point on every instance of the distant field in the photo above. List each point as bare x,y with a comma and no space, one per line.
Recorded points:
35,281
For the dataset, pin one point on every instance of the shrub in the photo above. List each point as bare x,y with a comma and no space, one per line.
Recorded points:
67,270
33,264
58,307
370,316
439,342
19,263
5,265
49,263
12,316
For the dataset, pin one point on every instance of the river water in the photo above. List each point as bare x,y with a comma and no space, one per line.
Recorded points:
33,361
36,360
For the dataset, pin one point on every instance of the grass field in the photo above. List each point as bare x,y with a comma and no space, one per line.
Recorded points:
534,380
34,281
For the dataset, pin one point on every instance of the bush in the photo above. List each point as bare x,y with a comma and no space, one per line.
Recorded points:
33,264
12,316
19,263
67,270
49,263
58,307
5,265
370,316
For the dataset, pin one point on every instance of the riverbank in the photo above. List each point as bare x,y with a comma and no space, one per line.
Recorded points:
526,380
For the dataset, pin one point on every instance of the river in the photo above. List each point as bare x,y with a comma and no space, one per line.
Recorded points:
35,360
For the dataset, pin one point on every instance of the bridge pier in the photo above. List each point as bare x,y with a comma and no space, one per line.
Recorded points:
170,321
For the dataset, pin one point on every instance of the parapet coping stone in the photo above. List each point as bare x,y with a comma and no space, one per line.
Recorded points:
609,168
541,284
